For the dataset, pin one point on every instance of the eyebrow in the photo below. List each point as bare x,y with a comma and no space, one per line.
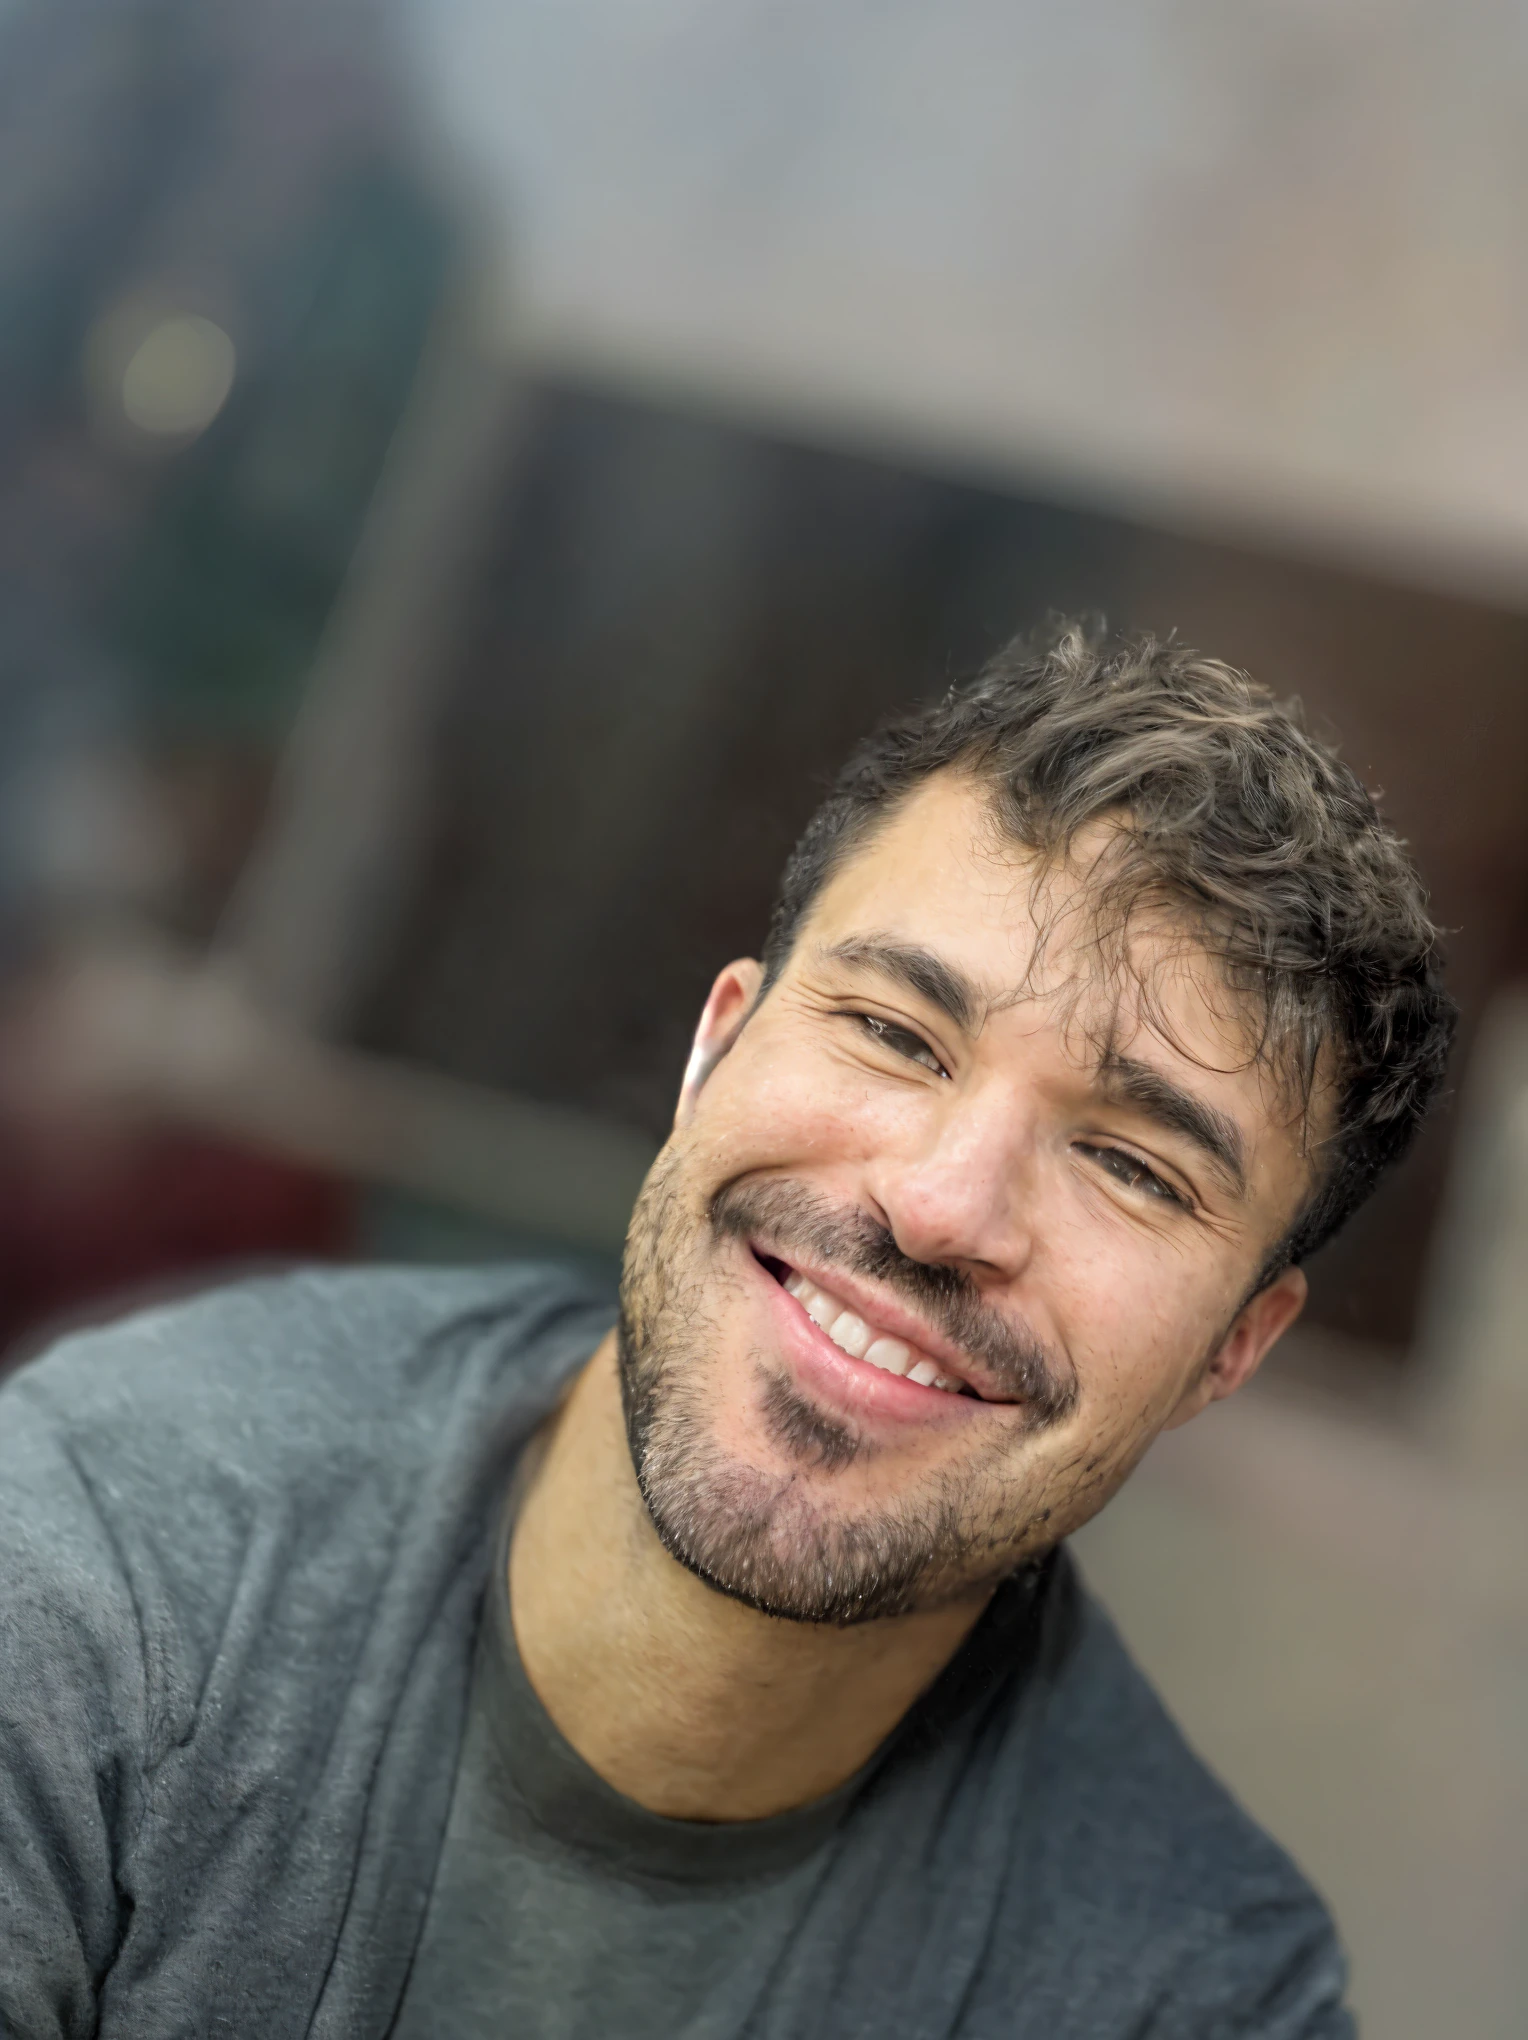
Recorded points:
919,971
1156,1097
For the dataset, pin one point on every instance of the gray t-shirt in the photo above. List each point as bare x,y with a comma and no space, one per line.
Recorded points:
563,1909
246,1545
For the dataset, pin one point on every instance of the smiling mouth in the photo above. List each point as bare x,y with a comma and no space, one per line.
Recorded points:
861,1341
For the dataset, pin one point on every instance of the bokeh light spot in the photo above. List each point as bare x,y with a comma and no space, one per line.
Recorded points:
178,377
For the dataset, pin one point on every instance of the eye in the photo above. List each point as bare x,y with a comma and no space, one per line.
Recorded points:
902,1041
1130,1170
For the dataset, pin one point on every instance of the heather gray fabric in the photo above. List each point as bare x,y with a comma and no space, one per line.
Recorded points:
562,1909
244,1548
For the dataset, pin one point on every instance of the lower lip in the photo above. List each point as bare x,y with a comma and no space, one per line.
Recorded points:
853,1386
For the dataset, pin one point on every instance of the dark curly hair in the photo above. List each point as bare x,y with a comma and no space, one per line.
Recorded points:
1223,806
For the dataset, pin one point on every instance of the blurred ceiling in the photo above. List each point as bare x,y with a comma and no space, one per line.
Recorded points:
1256,272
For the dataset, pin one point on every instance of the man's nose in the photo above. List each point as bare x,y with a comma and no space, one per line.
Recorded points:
962,1195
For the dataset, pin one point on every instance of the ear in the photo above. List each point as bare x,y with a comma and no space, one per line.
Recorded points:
732,999
1258,1325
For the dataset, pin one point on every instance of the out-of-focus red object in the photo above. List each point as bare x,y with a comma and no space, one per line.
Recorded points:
145,1210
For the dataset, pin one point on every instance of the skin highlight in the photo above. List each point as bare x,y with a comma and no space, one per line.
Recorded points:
1030,1157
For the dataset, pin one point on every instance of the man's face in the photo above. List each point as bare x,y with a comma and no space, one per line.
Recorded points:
946,1232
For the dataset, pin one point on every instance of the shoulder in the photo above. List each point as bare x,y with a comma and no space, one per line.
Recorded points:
1126,1763
283,1367
210,1514
1143,1828
144,1462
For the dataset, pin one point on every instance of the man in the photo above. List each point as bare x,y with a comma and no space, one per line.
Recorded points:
407,1654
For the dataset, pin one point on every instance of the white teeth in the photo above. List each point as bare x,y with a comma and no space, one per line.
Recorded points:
890,1354
853,1336
852,1333
822,1310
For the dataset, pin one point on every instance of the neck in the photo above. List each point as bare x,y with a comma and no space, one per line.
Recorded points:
684,1700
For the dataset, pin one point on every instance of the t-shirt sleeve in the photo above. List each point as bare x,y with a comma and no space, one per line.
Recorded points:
72,1722
1272,1970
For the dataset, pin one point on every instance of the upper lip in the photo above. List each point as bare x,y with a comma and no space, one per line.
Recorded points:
882,1314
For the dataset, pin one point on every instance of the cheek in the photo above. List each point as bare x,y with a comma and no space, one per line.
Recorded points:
779,1105
1129,1311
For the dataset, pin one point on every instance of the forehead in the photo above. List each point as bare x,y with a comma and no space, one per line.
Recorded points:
941,873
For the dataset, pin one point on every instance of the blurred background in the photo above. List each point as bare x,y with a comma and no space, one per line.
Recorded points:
469,472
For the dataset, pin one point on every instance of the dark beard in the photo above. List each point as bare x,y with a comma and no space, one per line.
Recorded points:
762,1538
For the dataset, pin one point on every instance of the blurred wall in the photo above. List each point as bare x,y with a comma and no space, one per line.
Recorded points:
1257,269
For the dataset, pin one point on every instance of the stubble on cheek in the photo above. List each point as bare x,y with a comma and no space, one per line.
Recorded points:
1113,1433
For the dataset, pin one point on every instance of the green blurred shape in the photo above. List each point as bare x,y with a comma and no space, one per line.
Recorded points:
222,604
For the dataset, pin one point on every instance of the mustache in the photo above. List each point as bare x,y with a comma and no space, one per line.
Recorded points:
789,1215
